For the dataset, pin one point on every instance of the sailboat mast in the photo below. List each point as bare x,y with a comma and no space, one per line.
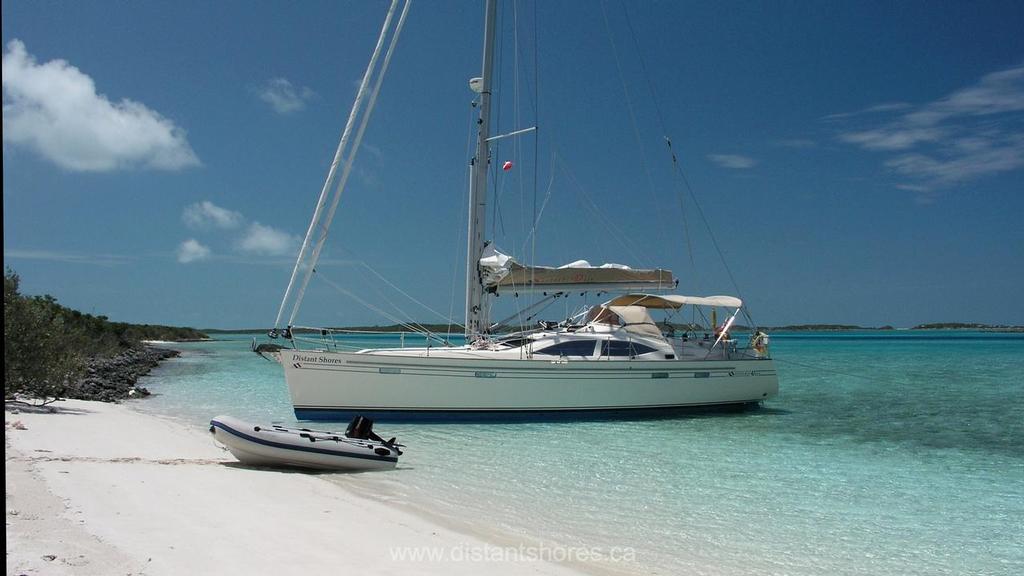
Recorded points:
476,309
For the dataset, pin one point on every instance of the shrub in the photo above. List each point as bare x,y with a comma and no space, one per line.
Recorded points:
39,362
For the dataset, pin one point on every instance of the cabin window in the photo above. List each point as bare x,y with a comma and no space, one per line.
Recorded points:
570,348
624,348
516,342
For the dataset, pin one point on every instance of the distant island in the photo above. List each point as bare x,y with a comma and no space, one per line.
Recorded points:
969,326
818,328
937,326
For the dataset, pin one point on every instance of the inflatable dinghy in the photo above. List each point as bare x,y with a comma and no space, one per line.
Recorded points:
358,448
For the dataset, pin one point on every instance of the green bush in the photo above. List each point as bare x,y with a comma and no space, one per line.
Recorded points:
38,361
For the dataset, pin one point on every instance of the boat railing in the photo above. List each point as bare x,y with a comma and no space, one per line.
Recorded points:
690,342
702,346
343,339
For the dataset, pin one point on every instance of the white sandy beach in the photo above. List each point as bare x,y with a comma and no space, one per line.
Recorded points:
101,489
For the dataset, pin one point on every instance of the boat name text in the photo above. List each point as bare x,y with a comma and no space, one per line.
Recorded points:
317,359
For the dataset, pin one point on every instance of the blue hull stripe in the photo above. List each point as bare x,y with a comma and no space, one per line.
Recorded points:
343,414
282,446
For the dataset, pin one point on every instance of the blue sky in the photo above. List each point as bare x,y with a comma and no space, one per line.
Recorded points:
859,162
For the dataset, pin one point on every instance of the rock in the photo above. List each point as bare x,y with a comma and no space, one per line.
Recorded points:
113,379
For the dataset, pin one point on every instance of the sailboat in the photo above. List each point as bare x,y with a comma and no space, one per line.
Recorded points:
610,359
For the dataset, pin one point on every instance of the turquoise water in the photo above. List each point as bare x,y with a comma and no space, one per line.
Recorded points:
885,453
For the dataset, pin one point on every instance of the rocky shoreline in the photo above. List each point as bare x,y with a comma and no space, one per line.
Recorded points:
113,379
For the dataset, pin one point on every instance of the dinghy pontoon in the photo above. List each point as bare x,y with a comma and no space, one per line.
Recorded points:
358,448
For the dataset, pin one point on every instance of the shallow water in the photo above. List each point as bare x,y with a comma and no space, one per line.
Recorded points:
885,453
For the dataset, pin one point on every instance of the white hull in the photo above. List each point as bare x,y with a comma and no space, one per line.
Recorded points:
258,446
333,385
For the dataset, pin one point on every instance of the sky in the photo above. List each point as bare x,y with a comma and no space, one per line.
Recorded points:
856,162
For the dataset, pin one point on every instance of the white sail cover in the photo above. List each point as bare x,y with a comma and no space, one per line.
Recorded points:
501,273
494,266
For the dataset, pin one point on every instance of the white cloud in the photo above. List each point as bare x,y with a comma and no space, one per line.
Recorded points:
260,239
912,187
893,137
253,238
67,257
53,108
284,97
968,134
877,108
996,93
733,161
797,143
192,251
887,107
960,161
206,214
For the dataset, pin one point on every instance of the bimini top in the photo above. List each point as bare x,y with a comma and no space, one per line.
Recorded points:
673,301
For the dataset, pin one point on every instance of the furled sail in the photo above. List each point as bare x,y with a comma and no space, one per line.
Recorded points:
502,274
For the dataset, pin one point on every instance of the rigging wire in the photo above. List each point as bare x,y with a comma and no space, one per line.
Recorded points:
707,225
494,151
536,147
363,266
518,79
679,171
539,206
686,226
617,234
517,144
662,125
398,311
404,293
636,127
540,305
532,236
419,330
643,66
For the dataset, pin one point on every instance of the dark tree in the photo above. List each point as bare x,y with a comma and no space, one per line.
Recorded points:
38,361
